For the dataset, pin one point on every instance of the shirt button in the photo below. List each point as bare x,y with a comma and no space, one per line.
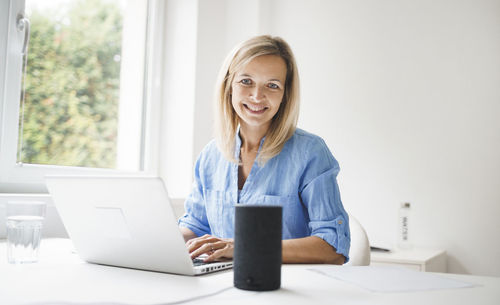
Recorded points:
339,222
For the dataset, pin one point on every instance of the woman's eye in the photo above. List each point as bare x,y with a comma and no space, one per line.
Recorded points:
273,86
246,81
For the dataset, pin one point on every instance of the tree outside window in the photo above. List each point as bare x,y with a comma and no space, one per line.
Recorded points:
72,84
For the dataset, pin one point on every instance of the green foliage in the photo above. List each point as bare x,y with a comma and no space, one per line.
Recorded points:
72,85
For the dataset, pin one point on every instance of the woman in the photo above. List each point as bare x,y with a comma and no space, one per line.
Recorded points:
260,157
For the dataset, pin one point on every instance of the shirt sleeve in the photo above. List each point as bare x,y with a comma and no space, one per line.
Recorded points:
320,195
195,217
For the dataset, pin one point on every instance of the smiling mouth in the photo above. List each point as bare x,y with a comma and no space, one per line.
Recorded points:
255,109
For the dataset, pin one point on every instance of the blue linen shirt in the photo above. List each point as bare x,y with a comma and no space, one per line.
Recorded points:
301,179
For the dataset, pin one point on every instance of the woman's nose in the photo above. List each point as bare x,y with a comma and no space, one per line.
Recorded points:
258,94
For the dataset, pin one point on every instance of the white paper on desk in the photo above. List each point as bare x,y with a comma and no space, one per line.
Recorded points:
389,278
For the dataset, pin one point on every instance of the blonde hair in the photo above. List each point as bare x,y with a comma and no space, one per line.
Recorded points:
283,124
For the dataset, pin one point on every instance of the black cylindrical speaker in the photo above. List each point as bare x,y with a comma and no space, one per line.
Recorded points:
257,247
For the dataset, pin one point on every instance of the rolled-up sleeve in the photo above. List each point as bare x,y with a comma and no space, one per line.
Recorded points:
195,217
321,196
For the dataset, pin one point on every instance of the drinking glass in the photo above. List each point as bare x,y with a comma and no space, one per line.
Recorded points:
24,230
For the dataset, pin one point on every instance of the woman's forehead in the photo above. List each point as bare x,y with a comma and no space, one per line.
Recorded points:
270,66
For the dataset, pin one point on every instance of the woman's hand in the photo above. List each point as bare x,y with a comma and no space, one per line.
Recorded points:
213,246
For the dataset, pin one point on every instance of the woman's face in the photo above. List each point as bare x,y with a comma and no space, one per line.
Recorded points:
257,90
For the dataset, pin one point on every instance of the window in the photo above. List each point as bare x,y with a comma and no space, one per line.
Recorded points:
80,105
69,114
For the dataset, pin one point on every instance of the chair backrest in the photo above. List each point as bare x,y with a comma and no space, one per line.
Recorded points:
359,254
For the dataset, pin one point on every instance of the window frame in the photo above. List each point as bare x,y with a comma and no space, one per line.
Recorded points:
29,178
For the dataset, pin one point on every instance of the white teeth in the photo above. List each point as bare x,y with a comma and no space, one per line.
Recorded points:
254,108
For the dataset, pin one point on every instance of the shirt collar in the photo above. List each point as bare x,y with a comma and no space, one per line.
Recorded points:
238,144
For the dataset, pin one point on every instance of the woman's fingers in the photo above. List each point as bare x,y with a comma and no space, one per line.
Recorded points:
207,248
197,239
212,246
196,243
225,249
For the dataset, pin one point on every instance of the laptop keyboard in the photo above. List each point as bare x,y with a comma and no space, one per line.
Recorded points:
199,262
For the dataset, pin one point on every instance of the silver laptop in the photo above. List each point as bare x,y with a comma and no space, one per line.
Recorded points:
124,221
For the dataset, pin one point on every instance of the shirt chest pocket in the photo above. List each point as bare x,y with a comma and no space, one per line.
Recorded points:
220,212
275,200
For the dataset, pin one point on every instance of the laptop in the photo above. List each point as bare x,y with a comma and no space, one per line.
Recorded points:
125,222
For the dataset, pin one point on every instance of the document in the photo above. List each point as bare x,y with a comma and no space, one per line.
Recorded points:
389,278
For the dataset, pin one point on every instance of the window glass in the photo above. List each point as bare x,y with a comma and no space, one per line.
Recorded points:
70,113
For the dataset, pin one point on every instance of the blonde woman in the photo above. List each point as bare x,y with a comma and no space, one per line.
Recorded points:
260,157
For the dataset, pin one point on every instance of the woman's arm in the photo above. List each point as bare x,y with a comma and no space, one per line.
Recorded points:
187,234
310,250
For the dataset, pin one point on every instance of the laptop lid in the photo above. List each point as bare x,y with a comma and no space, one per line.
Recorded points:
122,221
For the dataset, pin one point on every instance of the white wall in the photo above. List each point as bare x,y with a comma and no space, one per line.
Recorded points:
406,94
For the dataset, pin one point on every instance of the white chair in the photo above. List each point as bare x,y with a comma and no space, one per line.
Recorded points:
359,254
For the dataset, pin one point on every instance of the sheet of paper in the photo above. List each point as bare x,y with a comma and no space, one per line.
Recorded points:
389,278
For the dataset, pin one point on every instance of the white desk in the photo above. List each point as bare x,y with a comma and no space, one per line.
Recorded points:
61,278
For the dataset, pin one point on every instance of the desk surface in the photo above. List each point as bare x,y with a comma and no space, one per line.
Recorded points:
62,278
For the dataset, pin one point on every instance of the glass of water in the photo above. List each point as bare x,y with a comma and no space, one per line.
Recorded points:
24,230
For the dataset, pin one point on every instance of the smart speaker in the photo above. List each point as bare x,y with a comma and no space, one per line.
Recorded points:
257,247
